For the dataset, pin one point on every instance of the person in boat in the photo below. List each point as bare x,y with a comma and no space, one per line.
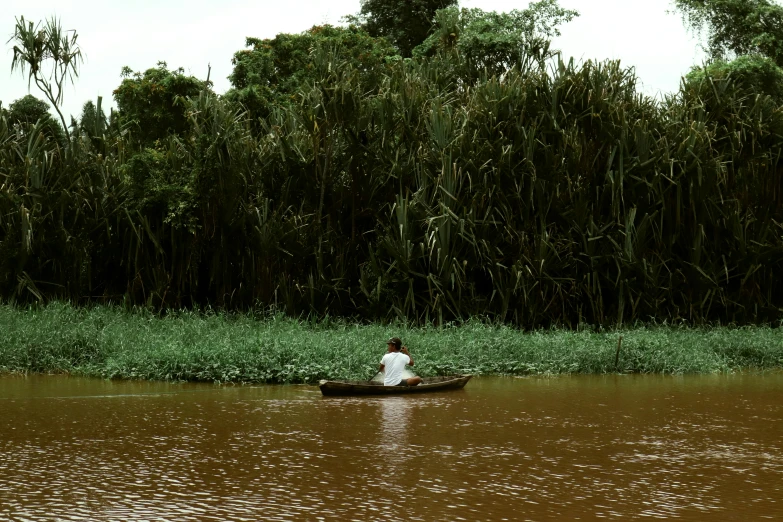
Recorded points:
394,362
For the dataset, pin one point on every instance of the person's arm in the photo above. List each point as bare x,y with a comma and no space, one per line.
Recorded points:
406,352
382,368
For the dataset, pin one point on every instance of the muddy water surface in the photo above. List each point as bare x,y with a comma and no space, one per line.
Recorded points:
581,448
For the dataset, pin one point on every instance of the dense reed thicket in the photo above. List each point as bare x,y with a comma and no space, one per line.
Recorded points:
555,195
110,343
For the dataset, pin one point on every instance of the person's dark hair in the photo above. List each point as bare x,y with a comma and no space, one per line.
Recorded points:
396,342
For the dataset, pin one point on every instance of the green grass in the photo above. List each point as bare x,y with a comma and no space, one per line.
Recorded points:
111,343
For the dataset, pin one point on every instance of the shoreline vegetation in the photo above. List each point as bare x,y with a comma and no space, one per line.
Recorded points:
108,342
469,171
437,173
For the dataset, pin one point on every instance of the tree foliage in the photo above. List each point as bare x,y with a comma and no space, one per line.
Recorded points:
151,103
28,110
737,27
93,120
405,23
494,42
755,73
745,42
274,71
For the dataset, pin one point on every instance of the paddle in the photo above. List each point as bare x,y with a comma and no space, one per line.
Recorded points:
373,376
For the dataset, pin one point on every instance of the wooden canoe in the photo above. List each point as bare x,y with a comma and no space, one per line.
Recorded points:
451,382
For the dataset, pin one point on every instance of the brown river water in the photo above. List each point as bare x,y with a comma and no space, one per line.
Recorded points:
564,448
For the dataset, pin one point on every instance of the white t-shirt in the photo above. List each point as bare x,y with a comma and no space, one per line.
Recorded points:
394,363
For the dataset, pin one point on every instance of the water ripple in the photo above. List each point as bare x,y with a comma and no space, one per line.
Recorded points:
500,449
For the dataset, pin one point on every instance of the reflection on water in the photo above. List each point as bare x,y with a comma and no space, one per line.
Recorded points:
393,449
501,449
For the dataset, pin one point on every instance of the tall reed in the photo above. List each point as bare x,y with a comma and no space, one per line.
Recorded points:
545,196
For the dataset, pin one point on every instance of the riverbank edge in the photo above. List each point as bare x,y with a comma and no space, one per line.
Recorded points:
108,342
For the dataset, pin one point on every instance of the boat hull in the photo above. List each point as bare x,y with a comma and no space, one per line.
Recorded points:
429,384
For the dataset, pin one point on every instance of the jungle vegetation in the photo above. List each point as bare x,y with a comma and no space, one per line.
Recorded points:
466,171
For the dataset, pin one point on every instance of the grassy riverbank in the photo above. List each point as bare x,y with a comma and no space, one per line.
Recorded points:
110,343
